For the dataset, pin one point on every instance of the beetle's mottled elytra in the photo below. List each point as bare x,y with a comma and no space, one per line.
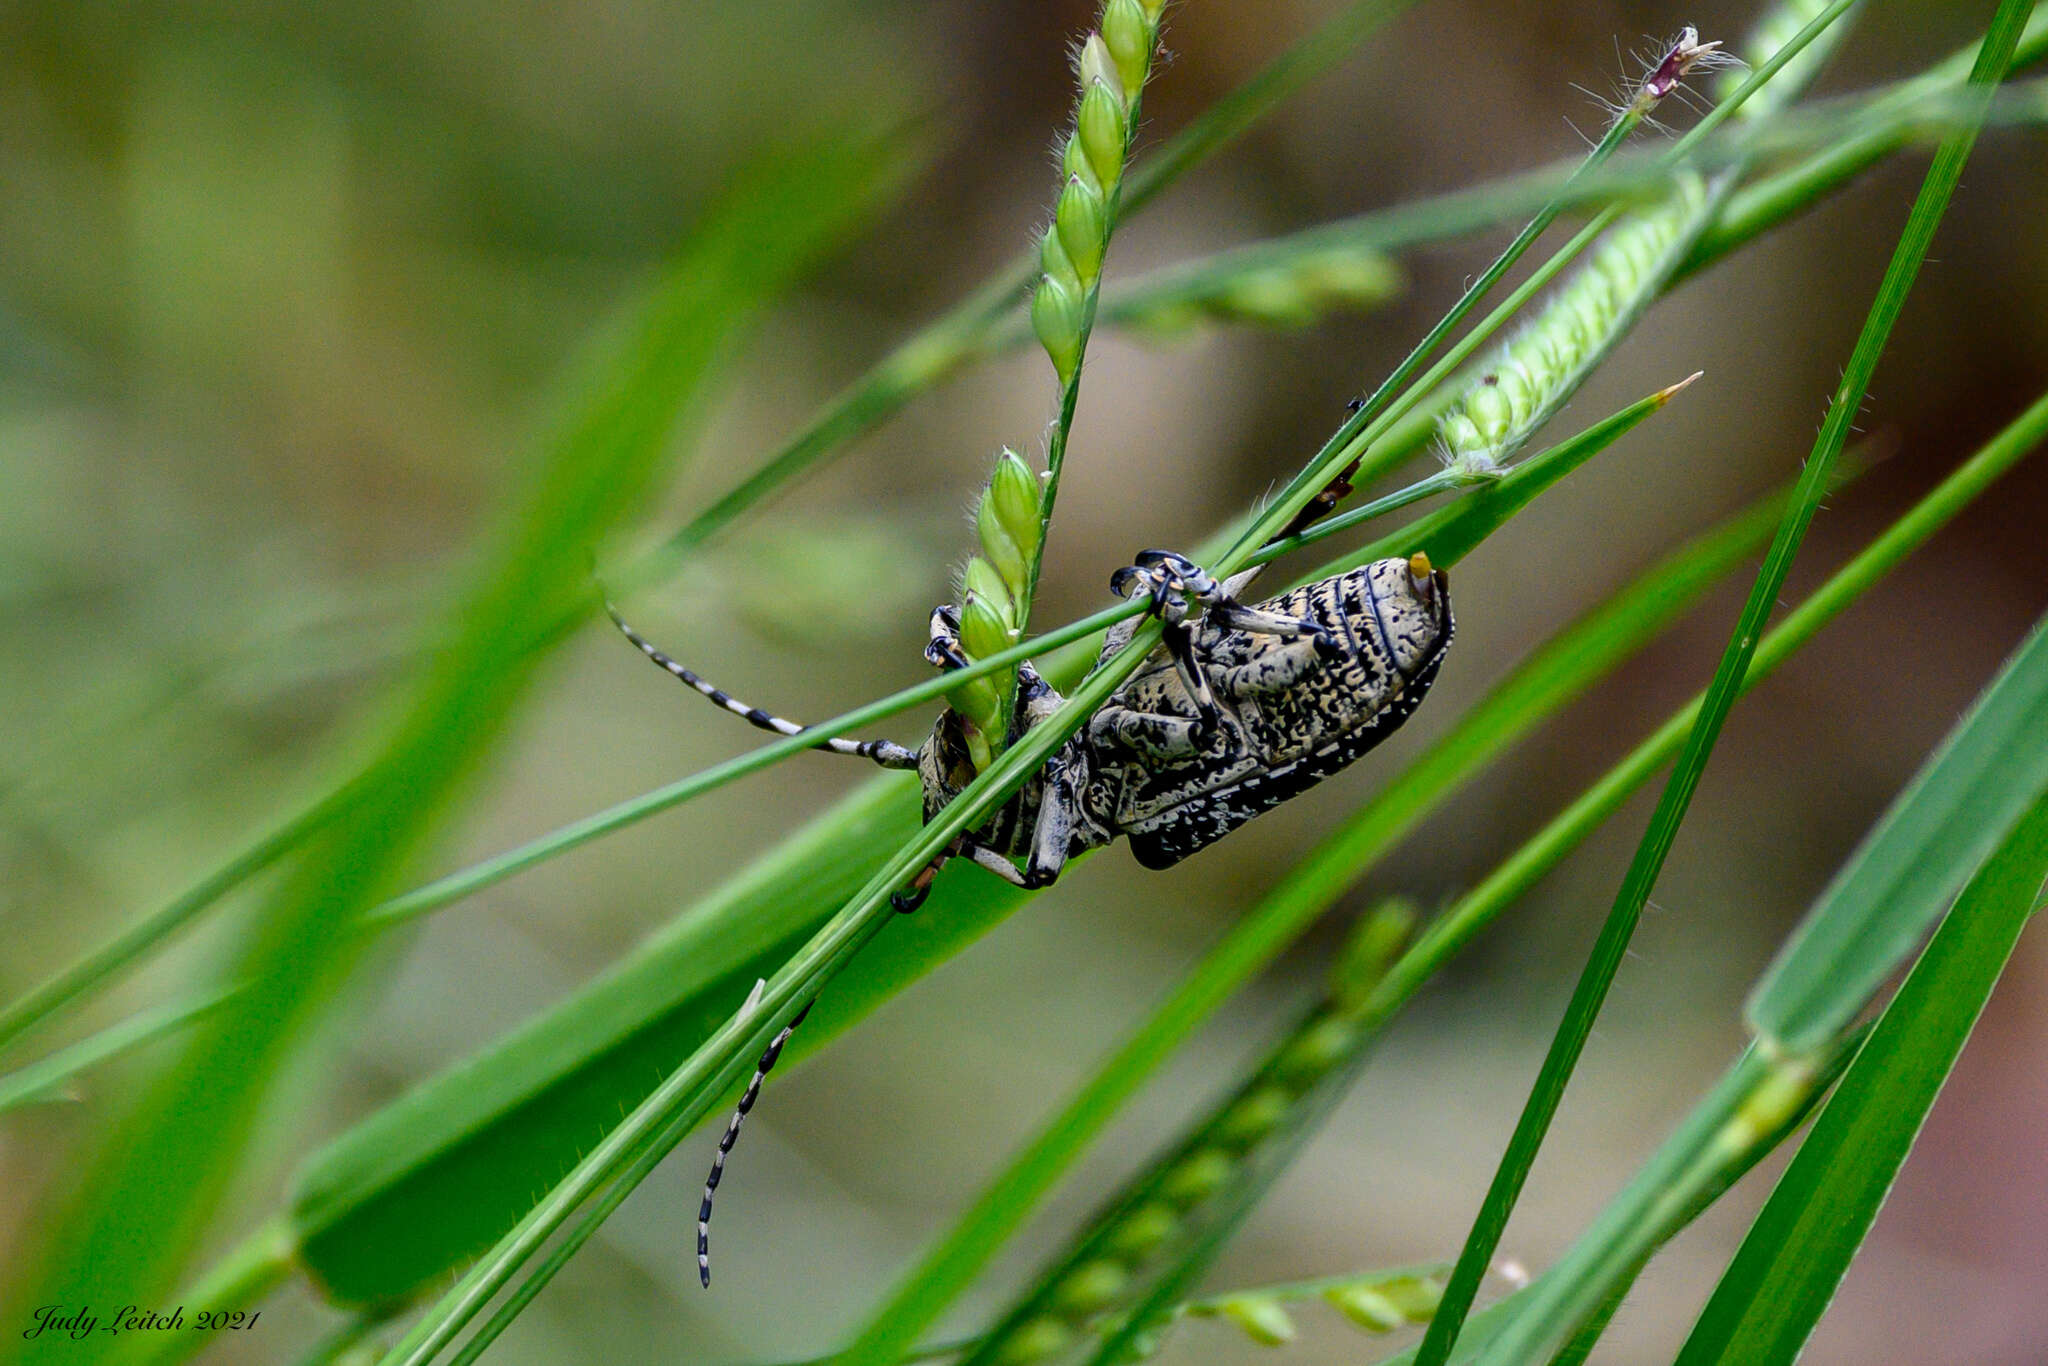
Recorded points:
1237,710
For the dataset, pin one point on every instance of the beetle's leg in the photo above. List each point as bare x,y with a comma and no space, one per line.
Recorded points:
1150,734
1180,644
887,753
1232,615
999,864
1053,835
1323,504
943,649
1167,577
918,888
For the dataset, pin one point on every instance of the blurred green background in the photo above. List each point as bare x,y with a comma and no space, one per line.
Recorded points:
281,288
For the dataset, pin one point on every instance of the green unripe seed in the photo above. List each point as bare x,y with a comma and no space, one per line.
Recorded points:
1514,386
1099,133
1366,1307
1127,33
1197,1177
1416,1297
1490,412
985,628
1074,162
1143,1229
1253,1116
1262,1319
1034,1340
1058,266
1082,222
1001,548
1056,318
1314,1051
1096,64
1090,1287
1585,318
1461,434
1378,939
1013,489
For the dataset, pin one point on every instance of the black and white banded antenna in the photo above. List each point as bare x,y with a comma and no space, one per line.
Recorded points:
739,1117
887,753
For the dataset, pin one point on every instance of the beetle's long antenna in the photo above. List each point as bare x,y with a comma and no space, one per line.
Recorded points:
887,753
732,1134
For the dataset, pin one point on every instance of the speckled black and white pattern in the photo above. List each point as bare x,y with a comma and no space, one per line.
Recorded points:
1286,718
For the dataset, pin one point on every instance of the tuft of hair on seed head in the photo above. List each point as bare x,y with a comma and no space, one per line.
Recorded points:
1679,60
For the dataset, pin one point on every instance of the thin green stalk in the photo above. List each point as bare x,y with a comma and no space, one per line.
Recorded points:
1608,952
1758,1103
44,1079
101,964
1388,402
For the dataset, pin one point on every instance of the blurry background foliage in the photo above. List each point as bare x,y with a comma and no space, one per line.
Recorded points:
281,286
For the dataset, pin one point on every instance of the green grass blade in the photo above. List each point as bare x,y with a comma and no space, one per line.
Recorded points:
1755,1106
1614,937
1901,879
154,1185
1797,1250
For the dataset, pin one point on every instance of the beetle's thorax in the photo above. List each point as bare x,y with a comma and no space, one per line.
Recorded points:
946,767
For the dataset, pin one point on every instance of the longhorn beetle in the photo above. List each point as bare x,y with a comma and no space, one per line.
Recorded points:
1238,709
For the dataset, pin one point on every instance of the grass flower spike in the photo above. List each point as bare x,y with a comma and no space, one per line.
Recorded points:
1110,68
1505,402
1540,369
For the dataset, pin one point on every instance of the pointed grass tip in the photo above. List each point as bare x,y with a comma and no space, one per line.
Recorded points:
1669,392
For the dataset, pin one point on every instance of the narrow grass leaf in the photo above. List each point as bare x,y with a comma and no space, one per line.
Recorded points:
1901,879
101,964
1797,1250
1608,952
